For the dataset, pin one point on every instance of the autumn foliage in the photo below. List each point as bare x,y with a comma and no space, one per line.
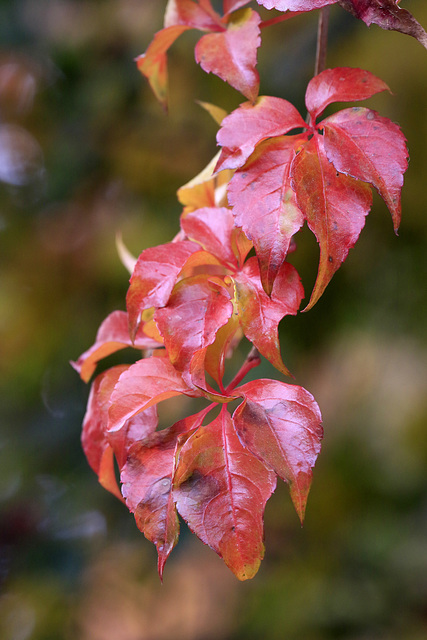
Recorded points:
225,276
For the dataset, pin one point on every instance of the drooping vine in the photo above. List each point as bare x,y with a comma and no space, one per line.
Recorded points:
192,300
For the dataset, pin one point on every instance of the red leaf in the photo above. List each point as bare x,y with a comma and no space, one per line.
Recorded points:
197,308
147,478
387,15
259,314
334,205
232,54
198,15
295,5
368,147
248,125
213,229
143,385
221,490
153,63
154,277
281,425
98,445
113,335
264,204
343,84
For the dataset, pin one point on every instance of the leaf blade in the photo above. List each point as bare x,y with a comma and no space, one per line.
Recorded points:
281,424
264,203
335,207
341,84
371,148
221,490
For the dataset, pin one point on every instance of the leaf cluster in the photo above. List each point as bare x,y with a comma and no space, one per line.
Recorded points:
225,276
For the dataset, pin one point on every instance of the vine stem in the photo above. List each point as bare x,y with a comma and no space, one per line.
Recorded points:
252,360
322,40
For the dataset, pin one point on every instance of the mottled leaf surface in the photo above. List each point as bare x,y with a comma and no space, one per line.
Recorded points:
281,425
342,84
221,490
147,485
387,15
368,147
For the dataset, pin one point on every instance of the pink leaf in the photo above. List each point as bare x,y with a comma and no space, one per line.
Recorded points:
221,490
335,206
342,84
248,125
368,147
98,445
154,277
147,477
143,385
281,425
259,314
264,204
232,54
198,308
113,335
213,229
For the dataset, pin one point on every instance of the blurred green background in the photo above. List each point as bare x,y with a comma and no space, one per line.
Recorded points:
85,152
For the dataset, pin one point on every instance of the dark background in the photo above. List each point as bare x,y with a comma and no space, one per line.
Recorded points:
85,152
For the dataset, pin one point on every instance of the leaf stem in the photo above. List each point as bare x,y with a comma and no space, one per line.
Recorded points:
252,360
322,40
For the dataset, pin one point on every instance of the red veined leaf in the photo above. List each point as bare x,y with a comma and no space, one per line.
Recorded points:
259,314
147,485
264,204
281,424
221,490
113,335
153,63
295,5
248,125
154,277
362,144
388,15
335,206
197,308
232,5
342,84
212,228
199,15
98,446
232,54
143,385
